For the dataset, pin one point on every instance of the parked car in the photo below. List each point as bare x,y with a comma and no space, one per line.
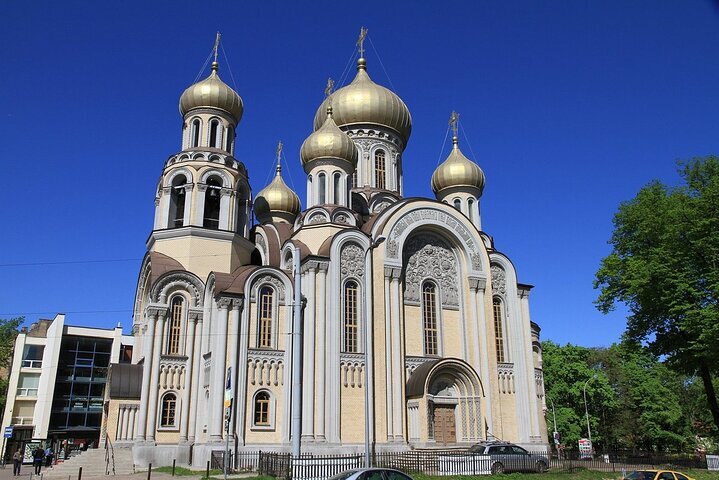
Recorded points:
656,475
506,457
372,474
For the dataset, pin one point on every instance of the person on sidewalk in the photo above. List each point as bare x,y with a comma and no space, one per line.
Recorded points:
37,456
16,462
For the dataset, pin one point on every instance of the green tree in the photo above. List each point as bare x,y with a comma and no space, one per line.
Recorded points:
8,332
566,371
665,267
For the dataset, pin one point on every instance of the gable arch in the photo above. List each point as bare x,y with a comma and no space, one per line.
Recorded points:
436,217
226,181
174,281
180,171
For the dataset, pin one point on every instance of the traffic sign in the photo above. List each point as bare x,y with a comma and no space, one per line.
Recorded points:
8,432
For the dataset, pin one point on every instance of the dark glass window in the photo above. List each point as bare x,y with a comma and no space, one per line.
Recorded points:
212,204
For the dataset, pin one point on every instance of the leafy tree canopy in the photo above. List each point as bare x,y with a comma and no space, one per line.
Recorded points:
664,266
8,332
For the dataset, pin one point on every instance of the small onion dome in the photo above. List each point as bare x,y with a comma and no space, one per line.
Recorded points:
212,93
276,199
457,171
328,142
365,102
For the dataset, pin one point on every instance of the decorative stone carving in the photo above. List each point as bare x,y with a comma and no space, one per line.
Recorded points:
342,218
224,302
265,367
410,219
380,206
351,261
499,280
186,281
411,364
317,218
261,245
429,257
274,281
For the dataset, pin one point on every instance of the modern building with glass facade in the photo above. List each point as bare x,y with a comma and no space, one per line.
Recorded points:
57,384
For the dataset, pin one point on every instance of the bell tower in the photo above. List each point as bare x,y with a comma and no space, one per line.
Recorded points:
203,199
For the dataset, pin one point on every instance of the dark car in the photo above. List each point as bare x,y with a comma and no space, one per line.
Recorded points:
372,474
506,457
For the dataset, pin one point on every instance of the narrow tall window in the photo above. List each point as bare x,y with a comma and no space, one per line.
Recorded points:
458,204
228,140
354,179
498,328
212,204
214,127
195,133
264,327
470,209
175,327
321,189
262,409
379,169
176,217
169,410
351,326
429,318
336,187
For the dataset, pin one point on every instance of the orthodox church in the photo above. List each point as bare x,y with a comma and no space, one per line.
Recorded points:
406,301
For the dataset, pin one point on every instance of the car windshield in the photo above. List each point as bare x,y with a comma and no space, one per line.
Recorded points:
343,475
641,475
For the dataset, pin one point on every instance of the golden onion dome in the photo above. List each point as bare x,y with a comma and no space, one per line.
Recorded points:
212,93
328,142
457,171
365,102
276,199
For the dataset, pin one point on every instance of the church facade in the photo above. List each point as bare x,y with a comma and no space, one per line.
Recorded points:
406,301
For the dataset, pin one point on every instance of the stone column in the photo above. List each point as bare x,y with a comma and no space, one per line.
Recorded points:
199,210
308,384
189,368
155,375
397,359
321,351
121,433
234,339
243,341
225,200
148,341
198,366
131,423
219,357
483,353
388,312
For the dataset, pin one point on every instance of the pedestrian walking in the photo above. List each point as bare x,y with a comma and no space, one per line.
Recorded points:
16,462
37,456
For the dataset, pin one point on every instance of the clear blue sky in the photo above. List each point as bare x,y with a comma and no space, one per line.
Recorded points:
569,107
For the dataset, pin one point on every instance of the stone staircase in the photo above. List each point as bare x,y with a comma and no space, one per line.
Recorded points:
93,464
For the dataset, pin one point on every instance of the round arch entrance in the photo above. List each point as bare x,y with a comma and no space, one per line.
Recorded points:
449,393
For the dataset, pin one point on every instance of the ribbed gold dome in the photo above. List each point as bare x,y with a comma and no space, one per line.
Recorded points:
365,102
328,142
276,198
457,171
212,93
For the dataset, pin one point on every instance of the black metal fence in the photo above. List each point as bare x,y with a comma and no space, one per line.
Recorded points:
455,462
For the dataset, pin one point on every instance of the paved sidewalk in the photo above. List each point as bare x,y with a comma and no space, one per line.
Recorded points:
27,470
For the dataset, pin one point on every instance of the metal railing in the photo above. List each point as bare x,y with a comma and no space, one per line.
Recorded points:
109,456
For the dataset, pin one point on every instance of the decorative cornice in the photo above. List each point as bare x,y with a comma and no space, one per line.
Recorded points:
477,283
237,303
224,302
156,310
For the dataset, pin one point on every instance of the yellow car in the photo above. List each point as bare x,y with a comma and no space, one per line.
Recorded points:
656,475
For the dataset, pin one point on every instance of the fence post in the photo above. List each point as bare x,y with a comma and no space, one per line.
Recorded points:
173,466
79,474
149,471
207,471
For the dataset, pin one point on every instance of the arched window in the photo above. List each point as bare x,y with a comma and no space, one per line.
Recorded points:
429,319
458,204
379,169
195,133
229,139
470,209
350,342
336,187
168,414
178,198
264,324
262,417
214,128
497,309
321,189
212,204
174,328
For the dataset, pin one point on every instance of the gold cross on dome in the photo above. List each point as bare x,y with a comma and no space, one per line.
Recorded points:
217,44
453,121
330,87
360,41
279,152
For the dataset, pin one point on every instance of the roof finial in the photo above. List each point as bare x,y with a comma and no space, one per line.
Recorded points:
278,168
453,122
216,65
328,94
360,41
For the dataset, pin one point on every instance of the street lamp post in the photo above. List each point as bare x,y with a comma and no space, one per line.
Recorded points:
586,409
368,332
